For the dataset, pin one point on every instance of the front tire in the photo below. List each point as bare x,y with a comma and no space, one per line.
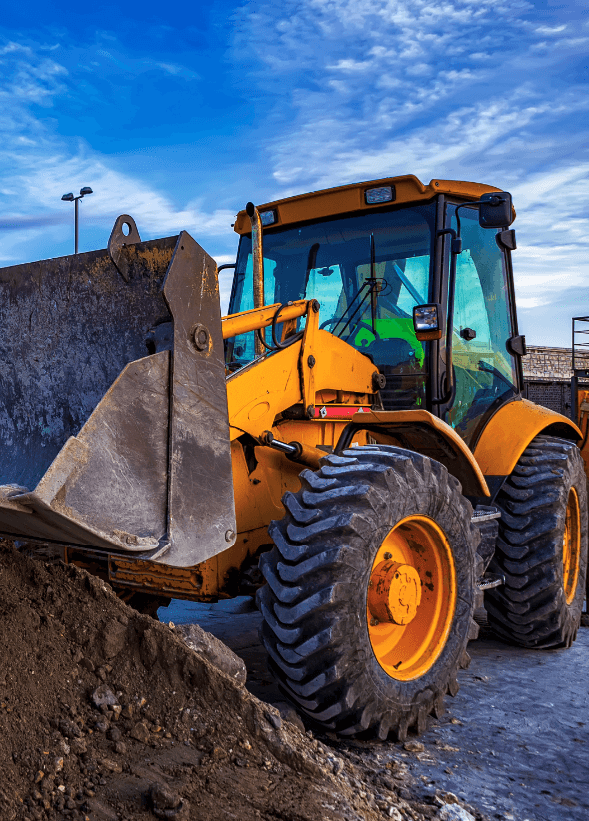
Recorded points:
542,547
370,591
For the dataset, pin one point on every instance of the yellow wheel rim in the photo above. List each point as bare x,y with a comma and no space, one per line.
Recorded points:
411,598
571,547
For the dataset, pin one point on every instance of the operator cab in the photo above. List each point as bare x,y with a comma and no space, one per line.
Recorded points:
368,271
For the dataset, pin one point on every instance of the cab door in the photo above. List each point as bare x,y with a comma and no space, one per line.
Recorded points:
485,372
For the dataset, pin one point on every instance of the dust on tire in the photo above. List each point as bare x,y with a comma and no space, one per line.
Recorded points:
531,608
314,602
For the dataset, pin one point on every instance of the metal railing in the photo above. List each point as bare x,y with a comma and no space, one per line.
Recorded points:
579,346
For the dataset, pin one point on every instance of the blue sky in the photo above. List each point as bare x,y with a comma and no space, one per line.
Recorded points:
179,114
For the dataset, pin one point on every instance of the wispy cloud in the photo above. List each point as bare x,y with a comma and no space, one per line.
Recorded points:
407,65
334,91
139,66
42,179
37,166
548,30
467,89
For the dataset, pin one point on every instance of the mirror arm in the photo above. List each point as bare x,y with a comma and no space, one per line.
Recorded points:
455,249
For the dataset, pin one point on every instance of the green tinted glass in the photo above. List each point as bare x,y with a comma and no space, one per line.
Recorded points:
484,371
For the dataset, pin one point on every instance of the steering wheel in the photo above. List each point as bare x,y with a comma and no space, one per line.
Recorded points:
357,325
361,324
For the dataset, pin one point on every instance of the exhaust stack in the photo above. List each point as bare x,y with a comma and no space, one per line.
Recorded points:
258,273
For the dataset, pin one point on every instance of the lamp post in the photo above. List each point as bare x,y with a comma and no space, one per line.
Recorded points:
71,198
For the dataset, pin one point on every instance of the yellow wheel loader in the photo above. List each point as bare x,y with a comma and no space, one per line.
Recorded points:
350,444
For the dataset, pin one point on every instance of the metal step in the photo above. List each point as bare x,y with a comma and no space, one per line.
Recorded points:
484,513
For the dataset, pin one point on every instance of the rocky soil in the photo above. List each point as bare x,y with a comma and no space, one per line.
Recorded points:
106,714
514,740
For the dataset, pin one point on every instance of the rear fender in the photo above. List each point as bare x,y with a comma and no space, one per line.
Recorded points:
583,406
508,433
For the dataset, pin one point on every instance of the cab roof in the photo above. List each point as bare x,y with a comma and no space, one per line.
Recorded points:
352,198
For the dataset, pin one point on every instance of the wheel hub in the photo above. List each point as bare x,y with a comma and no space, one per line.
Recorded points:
394,593
571,551
411,597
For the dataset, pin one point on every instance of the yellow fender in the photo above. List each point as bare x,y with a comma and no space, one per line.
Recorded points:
421,431
508,433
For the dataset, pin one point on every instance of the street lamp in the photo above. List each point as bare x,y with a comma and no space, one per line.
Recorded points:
71,198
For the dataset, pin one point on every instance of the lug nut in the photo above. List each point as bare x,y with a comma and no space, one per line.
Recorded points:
388,556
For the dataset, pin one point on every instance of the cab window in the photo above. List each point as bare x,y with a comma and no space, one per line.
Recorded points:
484,371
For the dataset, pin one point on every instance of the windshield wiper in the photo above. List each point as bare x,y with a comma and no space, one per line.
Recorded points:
372,284
311,264
365,284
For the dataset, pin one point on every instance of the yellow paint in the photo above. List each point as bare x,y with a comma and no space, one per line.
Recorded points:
258,411
276,380
571,546
309,354
394,593
510,430
418,546
255,318
208,581
583,421
464,467
258,493
151,577
351,198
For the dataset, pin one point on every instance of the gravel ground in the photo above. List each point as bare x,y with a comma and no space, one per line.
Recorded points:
513,742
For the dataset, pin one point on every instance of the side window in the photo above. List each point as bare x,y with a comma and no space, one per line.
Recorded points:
484,371
470,309
243,346
326,285
416,275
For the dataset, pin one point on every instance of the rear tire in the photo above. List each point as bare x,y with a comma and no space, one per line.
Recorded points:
325,647
543,558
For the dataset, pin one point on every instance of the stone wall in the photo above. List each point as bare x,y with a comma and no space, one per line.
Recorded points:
551,364
547,376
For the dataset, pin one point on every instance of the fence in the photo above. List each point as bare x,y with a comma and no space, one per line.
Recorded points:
547,376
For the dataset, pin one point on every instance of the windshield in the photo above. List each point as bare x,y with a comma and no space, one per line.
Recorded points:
367,272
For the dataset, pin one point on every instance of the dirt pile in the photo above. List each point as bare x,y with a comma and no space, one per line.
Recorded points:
106,714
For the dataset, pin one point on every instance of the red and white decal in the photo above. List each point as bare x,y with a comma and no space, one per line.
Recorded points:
339,411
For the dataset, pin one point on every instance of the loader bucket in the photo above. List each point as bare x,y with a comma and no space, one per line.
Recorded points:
113,409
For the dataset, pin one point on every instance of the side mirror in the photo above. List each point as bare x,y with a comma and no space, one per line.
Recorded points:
427,321
495,210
